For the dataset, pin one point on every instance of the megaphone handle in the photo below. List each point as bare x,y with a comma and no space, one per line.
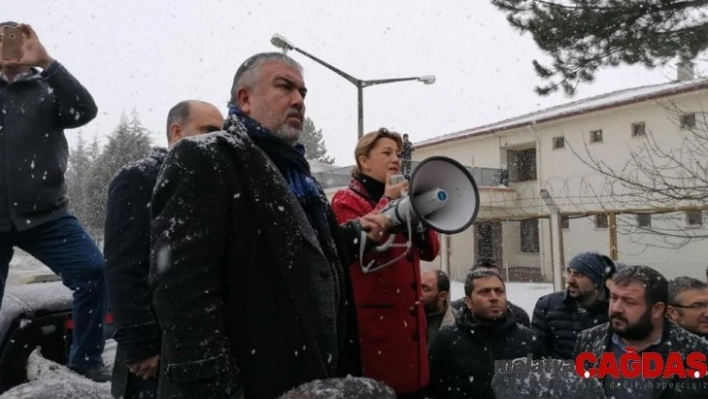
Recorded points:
385,246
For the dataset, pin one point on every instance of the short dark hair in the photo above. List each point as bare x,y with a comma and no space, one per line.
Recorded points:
9,23
477,274
178,114
485,262
681,284
443,281
246,74
656,288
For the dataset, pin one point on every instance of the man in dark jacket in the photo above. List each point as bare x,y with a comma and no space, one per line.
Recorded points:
462,355
247,258
560,316
34,211
638,323
127,252
518,313
435,286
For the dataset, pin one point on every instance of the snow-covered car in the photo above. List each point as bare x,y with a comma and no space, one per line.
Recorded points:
34,315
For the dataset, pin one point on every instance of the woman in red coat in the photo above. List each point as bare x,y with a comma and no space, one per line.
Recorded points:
391,318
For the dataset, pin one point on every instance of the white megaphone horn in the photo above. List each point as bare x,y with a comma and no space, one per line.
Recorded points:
442,195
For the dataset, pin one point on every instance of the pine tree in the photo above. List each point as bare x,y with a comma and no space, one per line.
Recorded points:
583,36
76,176
314,143
129,142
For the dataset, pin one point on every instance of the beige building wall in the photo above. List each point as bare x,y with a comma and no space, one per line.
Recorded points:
575,187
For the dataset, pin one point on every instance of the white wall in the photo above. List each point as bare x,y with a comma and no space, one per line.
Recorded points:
575,187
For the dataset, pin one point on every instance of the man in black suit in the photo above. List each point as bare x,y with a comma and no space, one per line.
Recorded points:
127,252
250,289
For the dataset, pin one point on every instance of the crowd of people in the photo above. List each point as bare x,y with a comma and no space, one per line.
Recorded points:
229,274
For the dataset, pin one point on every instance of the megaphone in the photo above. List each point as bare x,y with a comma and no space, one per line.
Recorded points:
442,195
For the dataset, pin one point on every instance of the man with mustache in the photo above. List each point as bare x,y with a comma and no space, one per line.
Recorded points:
435,287
462,355
637,312
247,258
560,316
688,305
517,312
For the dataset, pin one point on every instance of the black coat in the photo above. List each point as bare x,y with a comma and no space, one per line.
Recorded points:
127,253
232,257
673,339
557,321
462,355
33,149
517,313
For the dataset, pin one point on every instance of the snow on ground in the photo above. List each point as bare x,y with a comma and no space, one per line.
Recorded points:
49,380
24,267
524,295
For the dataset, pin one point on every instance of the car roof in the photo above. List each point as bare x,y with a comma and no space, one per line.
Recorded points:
27,299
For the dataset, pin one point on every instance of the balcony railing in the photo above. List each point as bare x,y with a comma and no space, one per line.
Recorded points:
484,177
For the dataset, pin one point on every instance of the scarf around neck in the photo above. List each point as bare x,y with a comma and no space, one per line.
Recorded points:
292,164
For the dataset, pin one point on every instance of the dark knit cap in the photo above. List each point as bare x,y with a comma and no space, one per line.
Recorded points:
596,266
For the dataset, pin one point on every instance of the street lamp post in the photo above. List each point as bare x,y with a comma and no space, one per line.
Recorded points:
284,44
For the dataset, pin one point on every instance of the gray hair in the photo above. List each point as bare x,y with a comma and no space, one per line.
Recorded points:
681,284
349,388
248,73
9,23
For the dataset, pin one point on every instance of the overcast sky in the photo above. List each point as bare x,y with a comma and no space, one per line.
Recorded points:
149,55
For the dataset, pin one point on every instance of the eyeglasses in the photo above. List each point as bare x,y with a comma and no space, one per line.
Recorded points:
696,306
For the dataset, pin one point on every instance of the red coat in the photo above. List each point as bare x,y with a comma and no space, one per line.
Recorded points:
390,313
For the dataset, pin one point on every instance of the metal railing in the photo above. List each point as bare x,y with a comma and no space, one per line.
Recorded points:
484,177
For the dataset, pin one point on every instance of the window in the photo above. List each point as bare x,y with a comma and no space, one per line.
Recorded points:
565,222
601,222
558,142
529,236
688,121
638,129
694,218
596,136
644,220
526,164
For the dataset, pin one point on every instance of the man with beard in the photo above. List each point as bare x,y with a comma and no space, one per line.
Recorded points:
435,286
518,313
247,258
462,355
688,305
560,316
637,310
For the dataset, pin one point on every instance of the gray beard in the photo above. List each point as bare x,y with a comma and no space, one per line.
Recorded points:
288,133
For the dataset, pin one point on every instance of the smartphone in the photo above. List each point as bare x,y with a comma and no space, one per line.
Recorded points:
395,179
12,43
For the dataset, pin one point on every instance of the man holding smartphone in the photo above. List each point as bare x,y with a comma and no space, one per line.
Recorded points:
34,212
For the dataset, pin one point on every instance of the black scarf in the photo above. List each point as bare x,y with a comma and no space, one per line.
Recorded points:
374,188
290,161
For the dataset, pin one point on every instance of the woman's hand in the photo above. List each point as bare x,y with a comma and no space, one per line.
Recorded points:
395,191
375,224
